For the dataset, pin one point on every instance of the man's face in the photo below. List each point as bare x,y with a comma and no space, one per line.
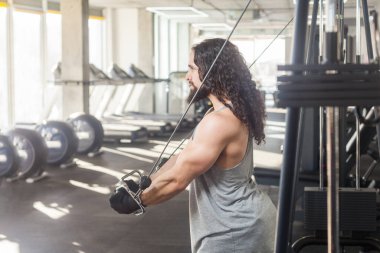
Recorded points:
192,77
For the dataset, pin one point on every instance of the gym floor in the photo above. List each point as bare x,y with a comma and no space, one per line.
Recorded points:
69,211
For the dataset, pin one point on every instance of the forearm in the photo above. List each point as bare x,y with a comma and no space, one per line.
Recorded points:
173,179
169,164
163,187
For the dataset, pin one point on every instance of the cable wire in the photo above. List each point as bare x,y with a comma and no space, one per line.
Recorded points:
271,42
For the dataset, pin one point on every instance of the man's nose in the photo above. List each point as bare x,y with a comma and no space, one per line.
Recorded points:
187,77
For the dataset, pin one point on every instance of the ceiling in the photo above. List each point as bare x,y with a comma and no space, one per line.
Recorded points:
264,15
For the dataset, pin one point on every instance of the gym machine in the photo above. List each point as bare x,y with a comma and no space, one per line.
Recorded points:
90,133
338,215
61,141
119,95
80,134
26,149
118,73
23,155
111,131
9,159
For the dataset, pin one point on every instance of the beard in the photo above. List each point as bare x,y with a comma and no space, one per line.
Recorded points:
202,94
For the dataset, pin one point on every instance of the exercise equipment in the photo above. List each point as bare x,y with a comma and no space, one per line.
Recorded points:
171,119
336,86
26,149
61,141
135,72
112,130
32,152
89,131
115,89
133,81
80,134
9,160
134,189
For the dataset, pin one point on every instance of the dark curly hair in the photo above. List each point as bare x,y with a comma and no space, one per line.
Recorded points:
230,79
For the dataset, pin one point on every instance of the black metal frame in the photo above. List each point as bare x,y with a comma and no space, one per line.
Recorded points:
365,74
288,174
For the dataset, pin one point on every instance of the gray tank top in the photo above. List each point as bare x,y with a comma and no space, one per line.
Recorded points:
228,213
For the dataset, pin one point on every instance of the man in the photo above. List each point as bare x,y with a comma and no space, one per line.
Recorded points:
227,211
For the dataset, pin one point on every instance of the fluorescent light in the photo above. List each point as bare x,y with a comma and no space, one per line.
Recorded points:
311,1
177,12
213,26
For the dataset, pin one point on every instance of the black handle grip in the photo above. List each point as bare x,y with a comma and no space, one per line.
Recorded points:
145,182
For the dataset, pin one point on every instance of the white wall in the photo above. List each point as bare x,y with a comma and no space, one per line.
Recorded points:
131,42
125,37
145,42
183,46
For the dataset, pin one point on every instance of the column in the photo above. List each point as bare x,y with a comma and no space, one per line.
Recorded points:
75,56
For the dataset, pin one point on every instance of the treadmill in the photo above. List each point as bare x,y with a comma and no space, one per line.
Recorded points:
138,77
113,130
112,87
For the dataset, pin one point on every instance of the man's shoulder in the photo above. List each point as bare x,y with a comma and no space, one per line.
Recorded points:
220,123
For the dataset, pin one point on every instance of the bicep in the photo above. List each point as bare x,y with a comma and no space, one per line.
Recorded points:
196,158
200,153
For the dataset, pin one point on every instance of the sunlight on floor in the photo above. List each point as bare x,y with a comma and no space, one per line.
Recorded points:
140,151
93,187
89,166
118,152
7,246
77,244
53,210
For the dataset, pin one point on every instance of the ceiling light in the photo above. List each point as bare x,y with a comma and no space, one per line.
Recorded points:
177,12
311,1
213,26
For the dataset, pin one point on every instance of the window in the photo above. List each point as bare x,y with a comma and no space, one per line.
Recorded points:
96,35
3,69
32,99
53,57
27,66
264,71
54,42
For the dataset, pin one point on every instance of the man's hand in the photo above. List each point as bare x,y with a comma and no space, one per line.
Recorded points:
122,202
133,186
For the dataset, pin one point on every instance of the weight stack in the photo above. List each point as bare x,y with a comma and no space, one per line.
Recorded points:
357,209
328,85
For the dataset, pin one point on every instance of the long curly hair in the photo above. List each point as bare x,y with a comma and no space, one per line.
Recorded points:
230,79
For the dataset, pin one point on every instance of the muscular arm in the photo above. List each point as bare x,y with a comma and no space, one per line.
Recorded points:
169,164
197,157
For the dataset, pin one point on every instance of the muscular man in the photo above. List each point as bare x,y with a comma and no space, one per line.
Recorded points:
228,213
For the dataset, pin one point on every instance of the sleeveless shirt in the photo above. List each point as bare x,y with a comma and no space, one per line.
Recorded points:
228,213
